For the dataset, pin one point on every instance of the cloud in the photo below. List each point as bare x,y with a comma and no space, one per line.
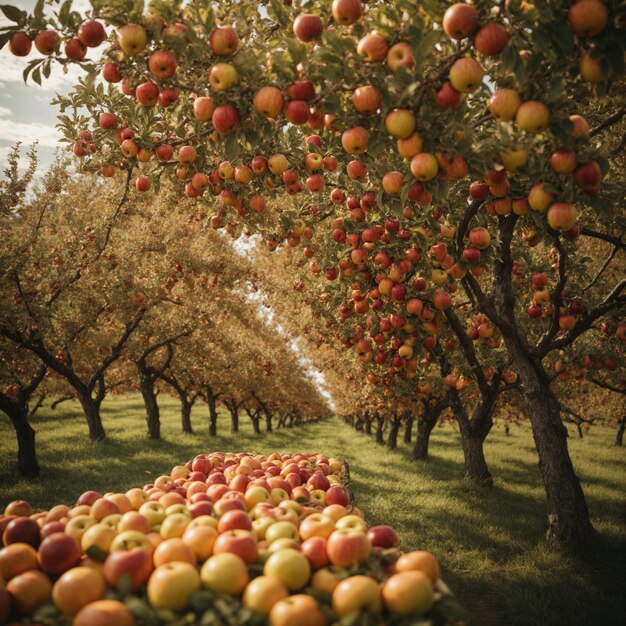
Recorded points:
27,132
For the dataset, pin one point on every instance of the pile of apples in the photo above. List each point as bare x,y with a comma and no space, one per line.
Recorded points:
262,538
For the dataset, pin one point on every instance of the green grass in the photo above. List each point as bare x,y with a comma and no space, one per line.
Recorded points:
488,540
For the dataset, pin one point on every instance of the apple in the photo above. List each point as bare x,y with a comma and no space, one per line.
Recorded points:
347,546
562,216
424,166
504,103
372,48
225,573
297,111
76,588
588,18
242,176
479,237
29,590
460,20
400,55
302,89
354,140
243,543
20,44
142,183
512,159
277,164
366,99
262,593
588,175
132,38
491,39
352,521
400,123
203,108
307,27
314,161
269,101
171,585
466,75
355,594
289,566
297,610
581,127
47,41
337,495
224,41
17,558
75,50
136,563
162,64
408,592
91,34
563,161
532,116
539,199
347,12
382,537
447,97
225,118
21,530
58,553
410,146
111,72
222,76
316,525
590,67
103,612
234,520
147,93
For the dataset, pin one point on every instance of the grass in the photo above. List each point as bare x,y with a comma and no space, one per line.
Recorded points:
488,540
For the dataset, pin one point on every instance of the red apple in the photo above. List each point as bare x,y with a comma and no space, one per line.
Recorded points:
243,543
91,34
75,50
47,41
147,94
588,18
491,39
162,64
460,20
225,118
347,12
307,27
373,48
224,41
136,564
382,537
20,44
268,102
58,553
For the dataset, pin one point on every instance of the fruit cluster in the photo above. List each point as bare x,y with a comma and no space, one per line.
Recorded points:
243,537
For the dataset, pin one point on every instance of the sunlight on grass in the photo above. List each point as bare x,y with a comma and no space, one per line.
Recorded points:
488,540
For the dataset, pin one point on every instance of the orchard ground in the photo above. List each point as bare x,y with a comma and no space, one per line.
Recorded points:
488,540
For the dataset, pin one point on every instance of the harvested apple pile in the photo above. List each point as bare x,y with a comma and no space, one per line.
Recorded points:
224,539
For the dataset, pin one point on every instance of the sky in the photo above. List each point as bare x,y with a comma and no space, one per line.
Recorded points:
26,114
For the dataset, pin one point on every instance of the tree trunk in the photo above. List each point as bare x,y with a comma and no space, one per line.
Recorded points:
185,416
292,417
153,416
255,425
268,421
408,430
619,439
26,453
368,426
91,409
392,439
379,429
568,514
212,415
425,424
234,417
475,464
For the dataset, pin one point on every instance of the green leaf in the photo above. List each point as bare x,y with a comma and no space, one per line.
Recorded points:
13,13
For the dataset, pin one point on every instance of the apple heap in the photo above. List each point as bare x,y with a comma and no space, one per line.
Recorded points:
260,530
